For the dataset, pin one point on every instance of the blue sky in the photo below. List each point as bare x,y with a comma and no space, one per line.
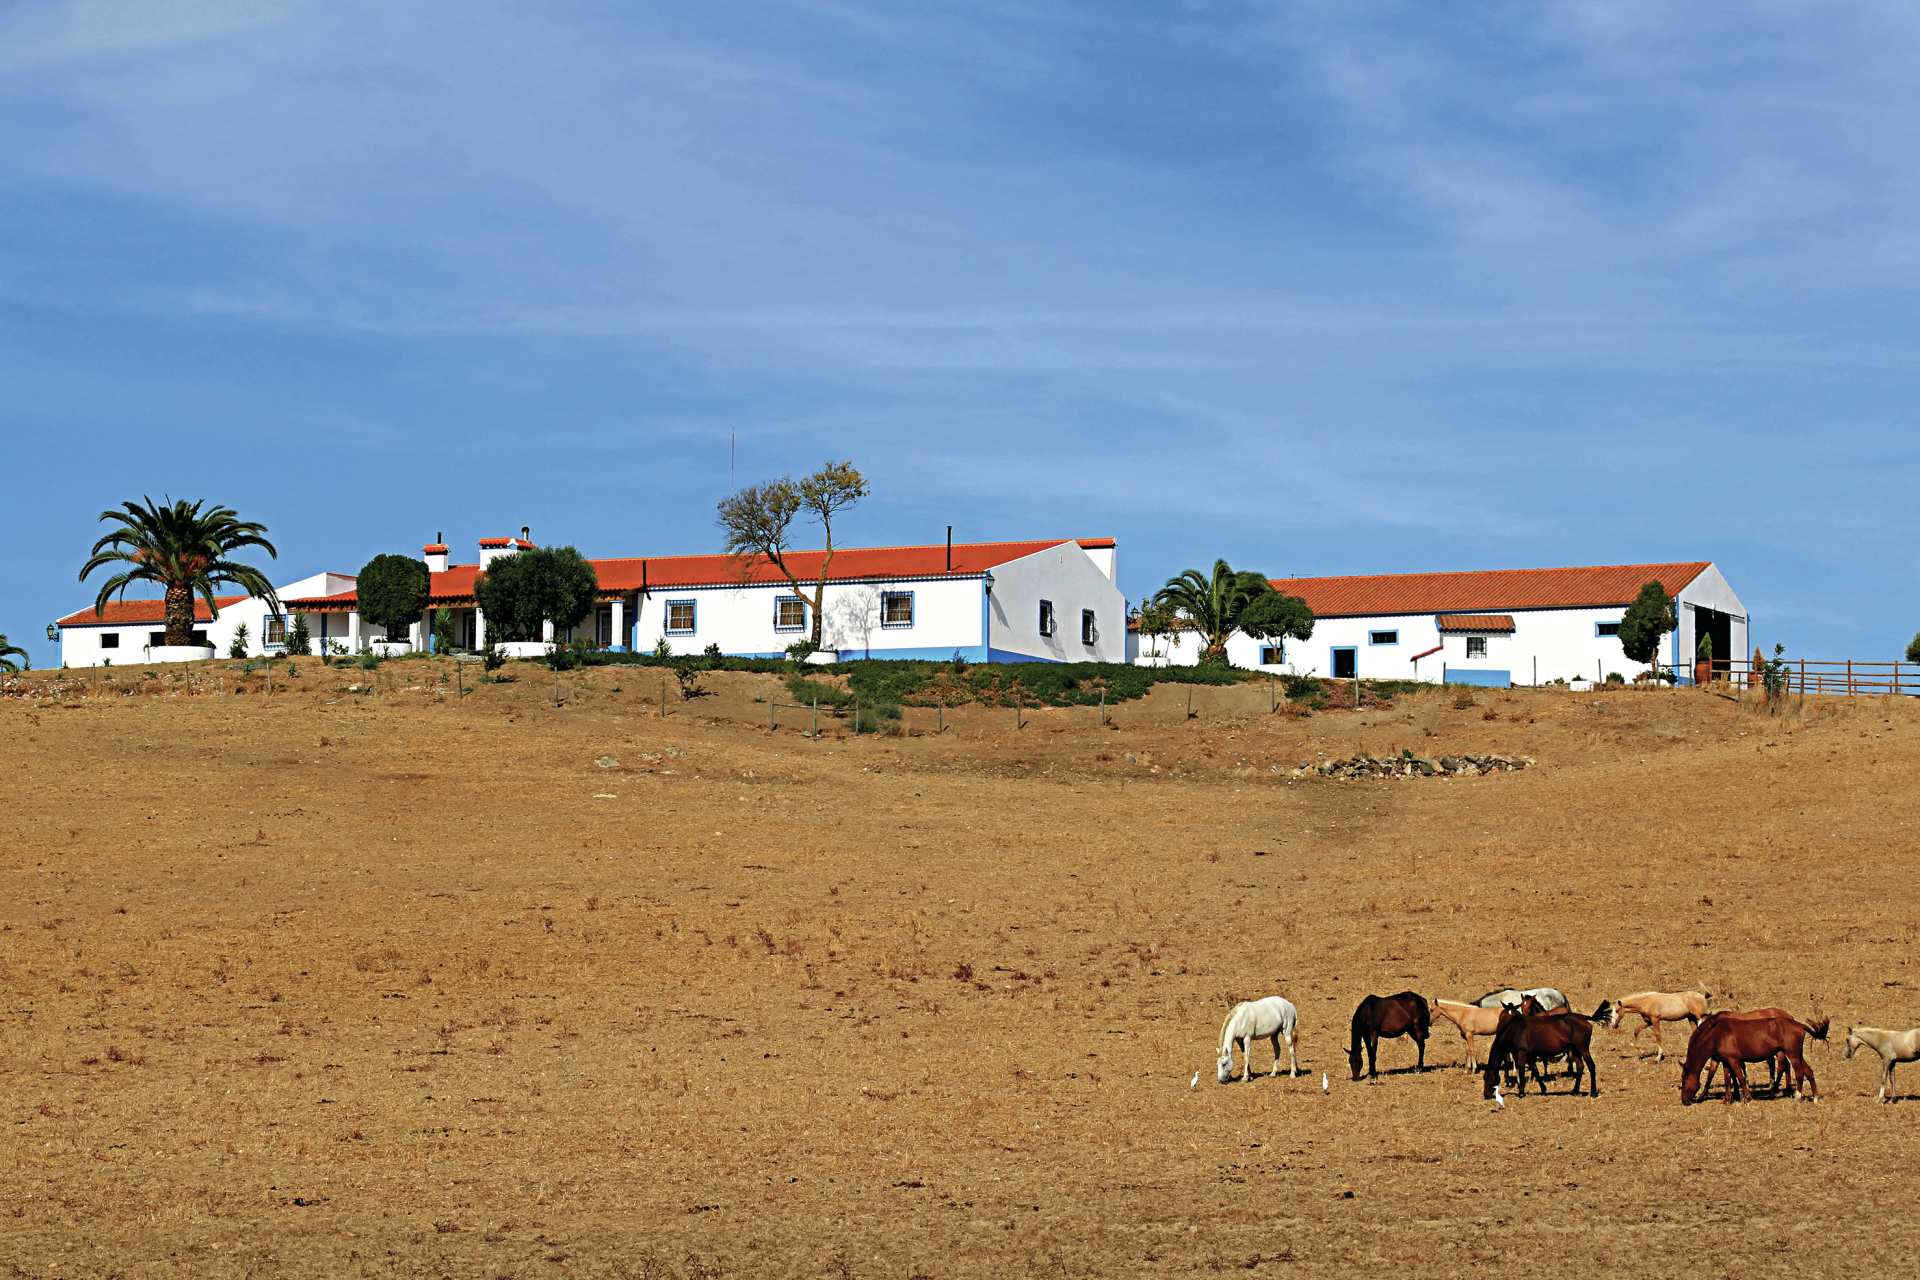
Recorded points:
1320,288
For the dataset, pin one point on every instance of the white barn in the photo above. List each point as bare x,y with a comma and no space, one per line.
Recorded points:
127,629
1495,627
1043,601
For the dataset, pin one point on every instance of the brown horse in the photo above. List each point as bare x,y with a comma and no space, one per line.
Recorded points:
1778,1066
1526,1040
1385,1017
1734,1041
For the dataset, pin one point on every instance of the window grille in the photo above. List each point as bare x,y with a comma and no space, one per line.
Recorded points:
680,617
1476,646
896,608
789,614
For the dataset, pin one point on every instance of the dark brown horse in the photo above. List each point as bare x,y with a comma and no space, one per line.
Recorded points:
1532,1008
1526,1040
1759,1035
1385,1017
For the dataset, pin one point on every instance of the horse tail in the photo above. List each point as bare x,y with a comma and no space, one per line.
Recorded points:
1818,1028
1425,1017
1604,1013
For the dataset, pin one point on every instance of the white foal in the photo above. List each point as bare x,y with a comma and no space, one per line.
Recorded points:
1892,1046
1270,1020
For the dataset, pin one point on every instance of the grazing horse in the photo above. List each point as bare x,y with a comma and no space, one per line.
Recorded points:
1385,1017
1531,1008
1472,1021
1778,1066
1656,1007
1270,1020
1508,998
1733,1041
1526,1040
1892,1046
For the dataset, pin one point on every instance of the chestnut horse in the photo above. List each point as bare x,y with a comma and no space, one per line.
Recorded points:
1778,1066
1656,1007
1735,1041
1386,1017
1525,1040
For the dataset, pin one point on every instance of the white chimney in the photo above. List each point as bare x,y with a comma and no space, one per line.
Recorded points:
436,555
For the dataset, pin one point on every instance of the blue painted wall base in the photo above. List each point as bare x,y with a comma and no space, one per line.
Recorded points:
1480,676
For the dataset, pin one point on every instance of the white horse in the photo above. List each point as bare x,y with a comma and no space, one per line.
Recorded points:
1251,1020
1892,1046
1507,998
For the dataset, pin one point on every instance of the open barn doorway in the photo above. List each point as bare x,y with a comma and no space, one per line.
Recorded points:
1717,627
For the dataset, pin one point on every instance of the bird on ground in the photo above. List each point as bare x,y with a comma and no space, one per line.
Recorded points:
1195,1082
1324,1086
1498,1100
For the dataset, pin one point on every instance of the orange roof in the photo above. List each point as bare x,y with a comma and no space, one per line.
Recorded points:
1474,622
1488,590
124,612
852,564
432,547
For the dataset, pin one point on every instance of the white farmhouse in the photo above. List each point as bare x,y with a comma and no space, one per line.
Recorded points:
1045,601
127,629
1497,627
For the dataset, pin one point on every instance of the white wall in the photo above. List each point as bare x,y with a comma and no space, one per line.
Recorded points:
1073,580
946,616
1708,591
1563,642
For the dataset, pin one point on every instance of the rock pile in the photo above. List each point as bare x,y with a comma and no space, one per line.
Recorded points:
1410,767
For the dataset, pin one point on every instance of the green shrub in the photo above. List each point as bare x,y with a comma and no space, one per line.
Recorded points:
299,635
807,692
492,658
238,648
878,717
369,660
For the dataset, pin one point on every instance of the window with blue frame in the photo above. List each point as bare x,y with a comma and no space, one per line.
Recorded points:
1272,655
896,608
276,635
680,617
1346,664
1606,628
789,614
1383,637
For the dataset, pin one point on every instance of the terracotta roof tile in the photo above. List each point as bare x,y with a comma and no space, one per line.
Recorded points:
1486,590
1474,622
125,612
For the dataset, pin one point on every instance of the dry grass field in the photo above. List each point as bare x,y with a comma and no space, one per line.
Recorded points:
393,983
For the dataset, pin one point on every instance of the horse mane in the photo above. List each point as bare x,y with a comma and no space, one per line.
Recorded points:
1229,1022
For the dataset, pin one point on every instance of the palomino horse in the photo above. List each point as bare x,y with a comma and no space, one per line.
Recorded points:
1385,1017
1734,1041
1271,1020
1472,1021
1656,1007
1778,1066
1508,998
1892,1046
1526,1040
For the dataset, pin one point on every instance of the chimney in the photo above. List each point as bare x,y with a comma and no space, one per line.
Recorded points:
436,554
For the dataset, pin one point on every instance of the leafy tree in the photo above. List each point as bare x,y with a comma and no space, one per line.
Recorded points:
184,550
238,649
546,584
1913,648
1652,615
392,591
1227,601
299,635
8,652
1157,620
758,522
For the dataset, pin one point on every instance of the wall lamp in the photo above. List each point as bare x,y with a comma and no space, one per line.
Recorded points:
986,581
53,631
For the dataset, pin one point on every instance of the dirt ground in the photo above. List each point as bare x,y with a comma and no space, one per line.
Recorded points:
395,982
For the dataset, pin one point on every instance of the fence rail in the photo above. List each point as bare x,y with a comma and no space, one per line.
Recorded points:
1804,675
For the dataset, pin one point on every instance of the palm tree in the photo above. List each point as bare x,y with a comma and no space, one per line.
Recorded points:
1213,604
1228,602
8,653
185,551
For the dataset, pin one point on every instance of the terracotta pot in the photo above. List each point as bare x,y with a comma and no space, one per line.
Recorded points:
1703,671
